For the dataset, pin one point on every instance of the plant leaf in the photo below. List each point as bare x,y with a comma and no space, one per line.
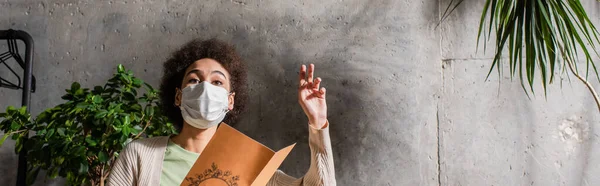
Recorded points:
90,141
101,114
3,139
75,86
61,131
23,110
120,68
83,167
102,157
14,125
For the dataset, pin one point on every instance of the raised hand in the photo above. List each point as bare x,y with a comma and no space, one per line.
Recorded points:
311,97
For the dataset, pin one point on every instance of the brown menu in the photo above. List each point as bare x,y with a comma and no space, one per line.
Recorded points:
234,159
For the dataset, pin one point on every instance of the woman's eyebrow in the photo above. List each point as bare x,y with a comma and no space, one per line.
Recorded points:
219,72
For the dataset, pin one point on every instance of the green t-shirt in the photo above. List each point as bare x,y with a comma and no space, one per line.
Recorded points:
176,165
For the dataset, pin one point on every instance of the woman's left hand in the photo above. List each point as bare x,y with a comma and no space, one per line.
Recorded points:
312,98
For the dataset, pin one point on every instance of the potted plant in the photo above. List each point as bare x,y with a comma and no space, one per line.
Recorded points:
81,138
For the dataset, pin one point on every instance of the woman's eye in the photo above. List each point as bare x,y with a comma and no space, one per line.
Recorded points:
194,81
217,83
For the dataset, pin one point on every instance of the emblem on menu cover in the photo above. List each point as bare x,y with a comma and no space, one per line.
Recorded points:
214,174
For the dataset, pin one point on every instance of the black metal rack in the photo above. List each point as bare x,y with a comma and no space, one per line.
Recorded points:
28,84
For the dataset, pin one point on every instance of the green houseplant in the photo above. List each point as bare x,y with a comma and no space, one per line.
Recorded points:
541,37
81,138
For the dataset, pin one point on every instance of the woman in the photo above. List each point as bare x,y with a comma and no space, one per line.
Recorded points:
204,84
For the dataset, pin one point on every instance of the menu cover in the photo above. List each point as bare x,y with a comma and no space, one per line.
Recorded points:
234,159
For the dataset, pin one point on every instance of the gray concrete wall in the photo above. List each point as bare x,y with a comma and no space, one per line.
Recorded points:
408,104
492,134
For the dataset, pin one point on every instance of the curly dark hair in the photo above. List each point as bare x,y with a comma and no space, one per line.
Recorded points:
174,71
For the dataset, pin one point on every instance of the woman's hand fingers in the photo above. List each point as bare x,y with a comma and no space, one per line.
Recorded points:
302,76
317,83
311,71
311,96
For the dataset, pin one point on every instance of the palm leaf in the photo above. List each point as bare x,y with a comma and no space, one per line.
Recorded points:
537,33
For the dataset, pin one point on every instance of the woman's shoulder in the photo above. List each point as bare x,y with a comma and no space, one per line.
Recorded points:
145,145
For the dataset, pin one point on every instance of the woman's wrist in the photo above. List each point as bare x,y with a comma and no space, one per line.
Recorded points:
318,124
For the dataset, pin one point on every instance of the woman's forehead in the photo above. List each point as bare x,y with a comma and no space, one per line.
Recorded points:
206,66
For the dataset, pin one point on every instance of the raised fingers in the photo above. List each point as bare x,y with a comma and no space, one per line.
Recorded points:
302,76
311,71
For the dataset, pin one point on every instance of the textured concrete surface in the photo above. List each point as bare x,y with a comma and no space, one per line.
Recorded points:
395,81
492,134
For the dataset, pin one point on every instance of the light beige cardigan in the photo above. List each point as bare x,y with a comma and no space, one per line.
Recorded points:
140,163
